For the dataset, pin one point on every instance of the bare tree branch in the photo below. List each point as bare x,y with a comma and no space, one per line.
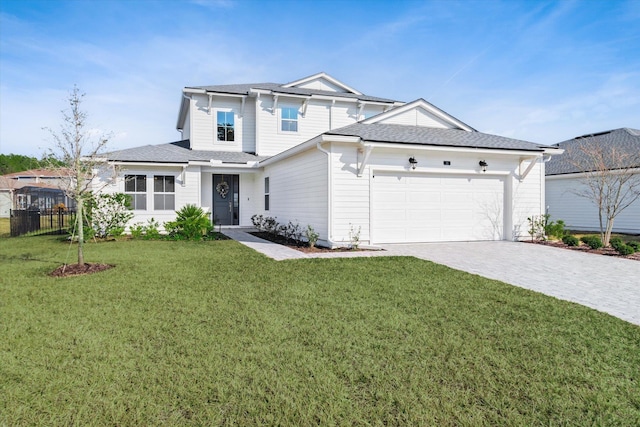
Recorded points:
611,179
79,149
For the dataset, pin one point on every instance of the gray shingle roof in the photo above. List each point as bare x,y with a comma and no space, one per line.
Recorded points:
574,160
378,132
179,152
243,89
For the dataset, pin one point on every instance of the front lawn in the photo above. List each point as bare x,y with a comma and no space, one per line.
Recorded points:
213,333
5,227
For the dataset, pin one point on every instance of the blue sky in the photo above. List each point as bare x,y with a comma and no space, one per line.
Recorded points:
541,71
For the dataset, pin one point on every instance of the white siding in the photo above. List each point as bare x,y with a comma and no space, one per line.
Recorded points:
343,114
6,203
298,191
580,213
416,117
186,131
320,117
528,199
203,133
187,194
351,195
321,84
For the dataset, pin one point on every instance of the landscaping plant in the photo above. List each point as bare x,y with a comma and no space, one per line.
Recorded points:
191,223
593,242
108,214
570,240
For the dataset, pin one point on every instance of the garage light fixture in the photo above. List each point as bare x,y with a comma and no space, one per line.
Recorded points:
413,162
483,165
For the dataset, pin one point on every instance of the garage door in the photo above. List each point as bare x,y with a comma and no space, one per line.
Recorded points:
420,208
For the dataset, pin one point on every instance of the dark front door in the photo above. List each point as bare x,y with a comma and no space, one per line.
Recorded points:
226,199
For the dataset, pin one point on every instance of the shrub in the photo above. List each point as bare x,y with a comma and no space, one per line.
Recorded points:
570,240
625,250
593,242
616,242
145,231
192,223
108,214
634,245
555,229
312,236
537,224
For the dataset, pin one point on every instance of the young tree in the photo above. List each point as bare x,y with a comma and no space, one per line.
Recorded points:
611,179
78,148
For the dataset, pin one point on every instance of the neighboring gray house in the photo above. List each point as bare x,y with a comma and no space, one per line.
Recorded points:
318,152
565,175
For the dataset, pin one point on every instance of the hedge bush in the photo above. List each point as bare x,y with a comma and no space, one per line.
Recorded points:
625,250
634,245
570,240
616,242
593,242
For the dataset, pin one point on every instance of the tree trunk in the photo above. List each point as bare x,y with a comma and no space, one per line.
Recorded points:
80,227
607,234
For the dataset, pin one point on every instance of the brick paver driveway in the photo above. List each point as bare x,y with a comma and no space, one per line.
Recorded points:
605,283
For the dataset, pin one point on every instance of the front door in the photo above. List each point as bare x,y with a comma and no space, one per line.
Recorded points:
226,199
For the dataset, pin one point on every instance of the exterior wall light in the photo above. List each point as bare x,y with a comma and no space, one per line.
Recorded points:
483,165
413,162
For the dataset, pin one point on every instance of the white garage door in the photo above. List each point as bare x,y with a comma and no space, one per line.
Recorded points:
420,208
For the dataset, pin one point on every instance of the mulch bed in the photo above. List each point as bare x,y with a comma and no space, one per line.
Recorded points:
586,248
79,269
302,248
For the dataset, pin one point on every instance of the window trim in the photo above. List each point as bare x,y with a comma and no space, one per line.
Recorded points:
267,194
235,126
282,120
164,193
136,192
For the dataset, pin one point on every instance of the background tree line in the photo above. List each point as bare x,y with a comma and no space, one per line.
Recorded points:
10,163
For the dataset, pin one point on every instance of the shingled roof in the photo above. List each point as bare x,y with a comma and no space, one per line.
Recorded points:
243,89
625,141
394,133
179,152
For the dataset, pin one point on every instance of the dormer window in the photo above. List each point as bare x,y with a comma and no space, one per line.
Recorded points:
289,119
226,124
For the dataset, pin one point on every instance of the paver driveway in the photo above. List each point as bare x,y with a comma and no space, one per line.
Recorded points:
608,284
605,283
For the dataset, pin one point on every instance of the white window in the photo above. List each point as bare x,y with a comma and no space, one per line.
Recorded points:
136,187
266,194
226,126
164,198
289,119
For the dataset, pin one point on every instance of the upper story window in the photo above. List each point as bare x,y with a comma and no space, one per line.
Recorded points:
289,119
226,125
164,188
136,187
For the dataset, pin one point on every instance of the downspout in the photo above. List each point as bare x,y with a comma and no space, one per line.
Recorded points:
329,196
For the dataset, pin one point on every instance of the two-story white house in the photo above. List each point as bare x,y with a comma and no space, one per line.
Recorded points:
318,152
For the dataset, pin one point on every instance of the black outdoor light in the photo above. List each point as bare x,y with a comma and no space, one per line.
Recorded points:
483,165
413,162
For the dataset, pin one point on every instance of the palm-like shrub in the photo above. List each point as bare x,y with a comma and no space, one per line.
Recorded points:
192,223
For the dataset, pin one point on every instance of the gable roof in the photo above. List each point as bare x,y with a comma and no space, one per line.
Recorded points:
322,76
625,141
424,106
422,135
179,152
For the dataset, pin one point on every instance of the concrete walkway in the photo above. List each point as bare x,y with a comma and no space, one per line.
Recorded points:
607,284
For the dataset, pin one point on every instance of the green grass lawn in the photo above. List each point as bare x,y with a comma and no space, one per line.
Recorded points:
213,333
5,227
